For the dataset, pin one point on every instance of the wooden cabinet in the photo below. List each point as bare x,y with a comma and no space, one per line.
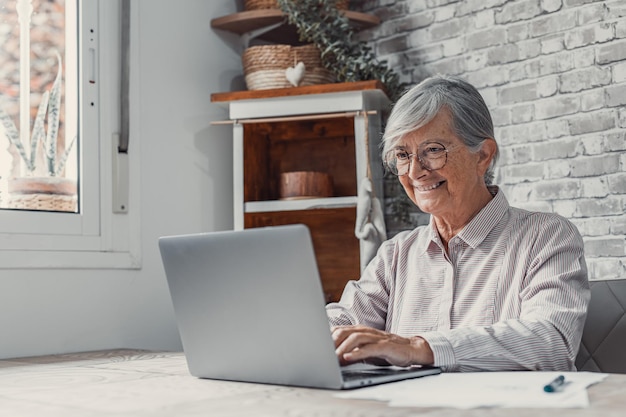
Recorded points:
332,128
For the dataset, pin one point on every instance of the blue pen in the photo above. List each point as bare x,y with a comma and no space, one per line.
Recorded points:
555,385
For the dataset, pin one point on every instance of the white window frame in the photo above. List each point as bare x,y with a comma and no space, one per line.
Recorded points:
98,236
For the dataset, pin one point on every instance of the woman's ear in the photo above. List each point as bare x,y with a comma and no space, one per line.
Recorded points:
487,153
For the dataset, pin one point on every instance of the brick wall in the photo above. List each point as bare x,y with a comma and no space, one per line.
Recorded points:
553,72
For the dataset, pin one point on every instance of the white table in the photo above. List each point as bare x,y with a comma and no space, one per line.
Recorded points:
141,383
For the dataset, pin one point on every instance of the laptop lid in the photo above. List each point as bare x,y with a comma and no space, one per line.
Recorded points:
250,307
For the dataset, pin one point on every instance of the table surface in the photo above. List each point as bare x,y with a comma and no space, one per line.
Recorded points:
140,383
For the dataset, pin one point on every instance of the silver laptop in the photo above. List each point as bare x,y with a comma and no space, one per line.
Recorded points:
250,307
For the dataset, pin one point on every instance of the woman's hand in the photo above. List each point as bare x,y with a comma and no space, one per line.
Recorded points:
360,343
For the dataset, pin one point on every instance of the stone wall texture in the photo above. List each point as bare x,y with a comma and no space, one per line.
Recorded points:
553,73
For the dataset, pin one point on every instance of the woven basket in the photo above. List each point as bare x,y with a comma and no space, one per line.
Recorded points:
47,193
45,202
264,66
273,4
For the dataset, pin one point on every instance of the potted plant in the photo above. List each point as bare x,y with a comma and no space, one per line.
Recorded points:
320,22
41,185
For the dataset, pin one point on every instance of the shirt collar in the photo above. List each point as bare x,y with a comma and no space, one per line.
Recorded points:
480,226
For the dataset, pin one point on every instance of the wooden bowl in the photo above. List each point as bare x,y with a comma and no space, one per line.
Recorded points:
305,184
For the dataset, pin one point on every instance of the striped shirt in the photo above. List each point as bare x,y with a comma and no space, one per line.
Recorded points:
512,293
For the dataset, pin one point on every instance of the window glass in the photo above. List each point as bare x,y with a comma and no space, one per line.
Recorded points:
39,105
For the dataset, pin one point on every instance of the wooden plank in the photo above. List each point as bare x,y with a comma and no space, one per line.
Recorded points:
296,91
250,20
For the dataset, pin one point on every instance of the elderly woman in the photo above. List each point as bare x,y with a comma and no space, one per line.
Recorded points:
484,286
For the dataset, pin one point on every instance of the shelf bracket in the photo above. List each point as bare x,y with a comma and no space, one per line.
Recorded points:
247,37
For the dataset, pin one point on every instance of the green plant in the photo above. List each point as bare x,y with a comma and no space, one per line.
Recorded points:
45,130
321,23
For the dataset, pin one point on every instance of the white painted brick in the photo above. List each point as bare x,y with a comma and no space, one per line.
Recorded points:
591,13
592,145
490,37
618,225
547,86
522,113
584,57
594,187
452,47
558,168
557,128
502,54
562,149
592,122
597,33
566,208
617,183
615,141
584,79
552,43
450,66
417,38
606,268
619,72
522,173
415,6
551,5
444,13
597,207
557,63
612,52
620,29
621,117
593,227
476,60
484,19
562,189
556,106
604,246
517,32
530,48
518,10
616,95
446,30
615,8
595,165
592,100
488,77
553,23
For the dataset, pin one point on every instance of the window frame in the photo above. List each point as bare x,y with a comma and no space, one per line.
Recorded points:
97,236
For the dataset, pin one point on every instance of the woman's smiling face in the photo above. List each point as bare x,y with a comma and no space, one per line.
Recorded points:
448,191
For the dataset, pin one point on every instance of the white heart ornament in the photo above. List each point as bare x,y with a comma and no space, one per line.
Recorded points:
295,74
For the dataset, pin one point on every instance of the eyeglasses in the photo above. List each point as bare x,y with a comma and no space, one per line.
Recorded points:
432,156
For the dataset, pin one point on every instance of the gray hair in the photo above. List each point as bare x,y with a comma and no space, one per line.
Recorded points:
470,116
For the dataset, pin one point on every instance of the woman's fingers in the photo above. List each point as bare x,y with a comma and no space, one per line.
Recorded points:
361,343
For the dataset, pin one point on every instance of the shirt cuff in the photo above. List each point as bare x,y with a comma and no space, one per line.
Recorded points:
442,349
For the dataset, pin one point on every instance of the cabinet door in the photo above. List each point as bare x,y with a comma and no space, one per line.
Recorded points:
336,247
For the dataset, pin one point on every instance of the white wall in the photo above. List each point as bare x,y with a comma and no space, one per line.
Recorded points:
186,186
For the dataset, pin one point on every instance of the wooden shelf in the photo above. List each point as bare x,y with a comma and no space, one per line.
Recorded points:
297,91
304,204
251,20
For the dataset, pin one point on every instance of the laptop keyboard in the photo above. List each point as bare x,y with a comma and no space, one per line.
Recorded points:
349,375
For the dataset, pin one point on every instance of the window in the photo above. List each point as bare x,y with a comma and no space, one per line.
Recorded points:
88,231
38,105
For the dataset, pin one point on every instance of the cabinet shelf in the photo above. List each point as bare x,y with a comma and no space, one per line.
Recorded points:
249,21
269,144
303,204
